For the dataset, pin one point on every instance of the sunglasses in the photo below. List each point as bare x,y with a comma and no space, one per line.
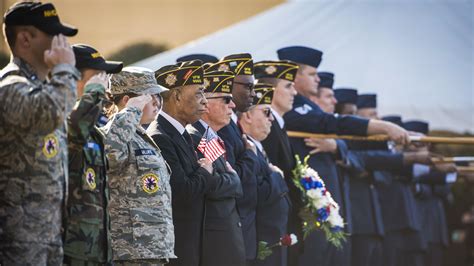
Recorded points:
227,99
248,86
267,112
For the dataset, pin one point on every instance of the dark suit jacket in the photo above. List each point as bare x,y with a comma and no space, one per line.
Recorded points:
272,211
189,183
245,163
223,242
280,153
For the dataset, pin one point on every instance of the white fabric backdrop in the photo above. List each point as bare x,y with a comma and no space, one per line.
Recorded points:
417,55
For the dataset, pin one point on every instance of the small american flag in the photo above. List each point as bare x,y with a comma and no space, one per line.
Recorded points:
211,149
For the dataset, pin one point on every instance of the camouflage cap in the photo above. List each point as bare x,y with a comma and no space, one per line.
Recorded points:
263,93
136,80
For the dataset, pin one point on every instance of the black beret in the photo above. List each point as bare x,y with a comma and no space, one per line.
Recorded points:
301,55
180,74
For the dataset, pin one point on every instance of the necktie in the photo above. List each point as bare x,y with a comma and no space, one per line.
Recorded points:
190,143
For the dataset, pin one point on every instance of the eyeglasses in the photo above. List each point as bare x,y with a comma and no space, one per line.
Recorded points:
227,99
248,86
267,112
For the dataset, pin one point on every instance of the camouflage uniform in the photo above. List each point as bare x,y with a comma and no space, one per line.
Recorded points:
87,228
33,162
140,193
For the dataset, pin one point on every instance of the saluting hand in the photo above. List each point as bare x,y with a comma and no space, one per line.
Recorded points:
59,53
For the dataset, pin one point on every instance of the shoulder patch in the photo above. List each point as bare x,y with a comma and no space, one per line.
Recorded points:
302,110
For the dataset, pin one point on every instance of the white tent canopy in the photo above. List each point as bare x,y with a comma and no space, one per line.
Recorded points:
417,55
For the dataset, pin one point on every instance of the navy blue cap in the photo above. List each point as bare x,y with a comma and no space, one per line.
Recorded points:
346,95
205,58
301,55
327,80
396,119
367,101
417,126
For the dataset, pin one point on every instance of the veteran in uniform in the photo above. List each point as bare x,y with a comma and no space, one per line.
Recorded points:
223,242
272,191
142,229
241,153
33,111
191,178
307,116
87,226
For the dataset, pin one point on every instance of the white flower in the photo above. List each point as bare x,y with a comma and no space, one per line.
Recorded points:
294,239
313,194
335,219
321,202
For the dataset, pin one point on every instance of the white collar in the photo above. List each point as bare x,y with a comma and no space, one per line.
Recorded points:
234,117
210,132
278,118
257,144
173,122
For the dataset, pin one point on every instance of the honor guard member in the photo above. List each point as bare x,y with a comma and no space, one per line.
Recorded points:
223,242
37,92
432,188
240,152
191,178
139,178
87,223
400,221
205,58
281,75
325,98
306,116
273,200
365,213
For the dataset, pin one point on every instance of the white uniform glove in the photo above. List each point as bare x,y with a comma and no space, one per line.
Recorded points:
139,101
102,78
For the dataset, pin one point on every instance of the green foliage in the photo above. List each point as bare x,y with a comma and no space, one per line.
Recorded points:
263,250
136,52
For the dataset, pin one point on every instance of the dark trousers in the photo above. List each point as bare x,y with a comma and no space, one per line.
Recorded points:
319,252
366,250
395,252
435,255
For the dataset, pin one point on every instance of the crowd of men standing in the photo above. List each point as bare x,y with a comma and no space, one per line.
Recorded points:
191,164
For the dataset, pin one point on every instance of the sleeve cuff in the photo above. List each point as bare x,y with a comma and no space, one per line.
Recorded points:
420,169
451,178
66,68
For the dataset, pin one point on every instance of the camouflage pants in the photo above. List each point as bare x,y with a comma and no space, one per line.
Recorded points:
31,254
68,261
138,263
